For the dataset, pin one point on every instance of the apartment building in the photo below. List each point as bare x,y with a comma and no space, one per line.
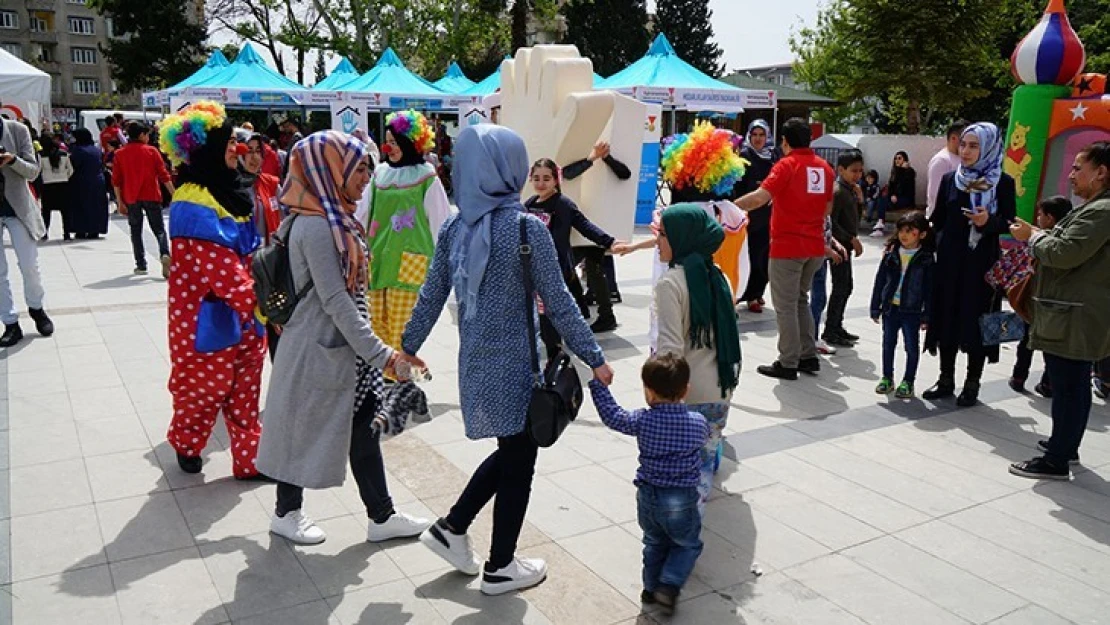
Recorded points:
63,38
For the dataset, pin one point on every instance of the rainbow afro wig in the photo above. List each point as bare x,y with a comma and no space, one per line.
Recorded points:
703,159
414,127
187,130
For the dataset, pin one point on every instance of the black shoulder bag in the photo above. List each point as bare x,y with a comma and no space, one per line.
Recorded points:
557,392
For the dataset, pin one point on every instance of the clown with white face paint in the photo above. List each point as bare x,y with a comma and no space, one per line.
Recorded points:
406,209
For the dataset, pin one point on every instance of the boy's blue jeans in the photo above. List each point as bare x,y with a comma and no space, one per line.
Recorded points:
672,534
909,324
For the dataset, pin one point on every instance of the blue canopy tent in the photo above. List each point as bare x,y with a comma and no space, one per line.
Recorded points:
454,81
390,85
343,73
216,62
663,78
249,82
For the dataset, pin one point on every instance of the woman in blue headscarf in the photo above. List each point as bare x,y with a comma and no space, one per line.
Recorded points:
477,255
974,205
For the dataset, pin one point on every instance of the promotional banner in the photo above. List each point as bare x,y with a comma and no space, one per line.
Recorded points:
649,165
347,116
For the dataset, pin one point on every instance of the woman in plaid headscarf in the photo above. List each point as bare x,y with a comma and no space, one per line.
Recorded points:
322,389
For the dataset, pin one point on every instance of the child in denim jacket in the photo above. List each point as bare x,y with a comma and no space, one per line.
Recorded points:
902,297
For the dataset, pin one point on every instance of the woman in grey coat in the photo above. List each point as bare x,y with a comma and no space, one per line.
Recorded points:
323,393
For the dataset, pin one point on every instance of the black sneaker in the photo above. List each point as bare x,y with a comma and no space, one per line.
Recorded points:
666,597
776,370
809,365
833,338
1043,390
607,323
1017,384
1040,469
1043,446
12,335
848,335
647,597
189,465
42,323
940,390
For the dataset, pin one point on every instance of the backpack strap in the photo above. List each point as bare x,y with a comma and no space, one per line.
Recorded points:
281,237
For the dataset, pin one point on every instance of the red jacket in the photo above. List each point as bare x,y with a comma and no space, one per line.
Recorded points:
137,170
266,204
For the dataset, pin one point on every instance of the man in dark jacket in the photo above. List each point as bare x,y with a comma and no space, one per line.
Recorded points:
847,200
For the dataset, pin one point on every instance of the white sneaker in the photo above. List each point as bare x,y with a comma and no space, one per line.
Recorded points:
879,231
297,527
400,525
454,548
520,573
825,348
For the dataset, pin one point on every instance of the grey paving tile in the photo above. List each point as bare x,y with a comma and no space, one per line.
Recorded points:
125,474
80,596
256,574
311,613
1072,599
49,487
222,510
42,444
946,585
566,578
38,410
112,435
167,588
1031,615
5,552
559,514
867,594
457,599
345,561
51,542
823,523
764,441
774,544
614,497
395,602
143,525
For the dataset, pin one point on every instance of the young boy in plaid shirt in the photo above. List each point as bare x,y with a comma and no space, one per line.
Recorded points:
670,438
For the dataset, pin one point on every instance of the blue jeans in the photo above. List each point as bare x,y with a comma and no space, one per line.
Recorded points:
909,324
1071,406
819,296
717,417
672,534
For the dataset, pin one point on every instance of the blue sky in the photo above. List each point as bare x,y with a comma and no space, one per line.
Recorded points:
757,32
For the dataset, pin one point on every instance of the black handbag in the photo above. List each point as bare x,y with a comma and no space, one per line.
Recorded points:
557,391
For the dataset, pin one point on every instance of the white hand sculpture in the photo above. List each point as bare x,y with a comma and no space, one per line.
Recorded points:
547,97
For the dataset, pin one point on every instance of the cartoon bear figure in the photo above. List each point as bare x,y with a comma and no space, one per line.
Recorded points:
1017,157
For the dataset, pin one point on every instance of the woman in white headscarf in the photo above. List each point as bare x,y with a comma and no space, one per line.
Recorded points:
974,206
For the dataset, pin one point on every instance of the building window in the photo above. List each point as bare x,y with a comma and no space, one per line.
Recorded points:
81,26
55,85
13,49
44,52
86,86
39,25
9,20
83,56
81,2
109,28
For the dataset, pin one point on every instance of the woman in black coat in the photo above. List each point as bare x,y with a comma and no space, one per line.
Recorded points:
974,205
759,151
89,212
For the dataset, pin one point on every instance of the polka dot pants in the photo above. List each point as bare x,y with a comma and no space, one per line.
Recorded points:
203,385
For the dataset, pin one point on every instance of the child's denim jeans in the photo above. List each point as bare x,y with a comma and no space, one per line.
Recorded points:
671,523
909,324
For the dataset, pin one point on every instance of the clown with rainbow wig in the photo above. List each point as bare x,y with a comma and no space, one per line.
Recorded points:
217,339
406,208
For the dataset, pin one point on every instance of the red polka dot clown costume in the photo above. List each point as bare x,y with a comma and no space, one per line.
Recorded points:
217,341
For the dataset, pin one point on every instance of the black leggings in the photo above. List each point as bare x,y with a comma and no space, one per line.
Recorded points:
366,465
507,473
975,361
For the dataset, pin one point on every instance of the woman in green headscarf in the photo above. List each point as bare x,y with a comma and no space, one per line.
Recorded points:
693,304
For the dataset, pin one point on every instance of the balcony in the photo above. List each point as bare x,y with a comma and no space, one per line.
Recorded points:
43,36
40,5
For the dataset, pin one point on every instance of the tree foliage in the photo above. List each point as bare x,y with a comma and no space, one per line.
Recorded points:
136,63
272,24
687,25
912,67
612,33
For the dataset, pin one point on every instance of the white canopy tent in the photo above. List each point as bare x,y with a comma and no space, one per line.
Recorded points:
24,90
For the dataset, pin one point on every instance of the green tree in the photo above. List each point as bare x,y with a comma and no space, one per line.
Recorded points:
612,33
877,48
687,25
321,69
155,43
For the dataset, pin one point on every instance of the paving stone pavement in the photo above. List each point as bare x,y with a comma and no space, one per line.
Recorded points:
855,508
